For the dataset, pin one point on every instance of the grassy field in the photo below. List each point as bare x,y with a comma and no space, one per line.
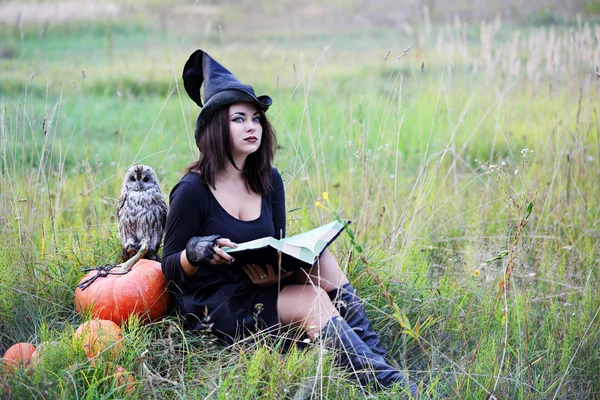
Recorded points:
467,156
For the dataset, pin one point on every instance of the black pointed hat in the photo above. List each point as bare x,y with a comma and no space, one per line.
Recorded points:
221,87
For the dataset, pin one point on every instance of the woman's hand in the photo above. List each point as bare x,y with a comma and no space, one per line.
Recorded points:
219,256
207,250
258,276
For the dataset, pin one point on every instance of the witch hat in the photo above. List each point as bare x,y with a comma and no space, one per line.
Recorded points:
221,88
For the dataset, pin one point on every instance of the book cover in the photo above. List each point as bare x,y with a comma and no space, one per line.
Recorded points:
291,253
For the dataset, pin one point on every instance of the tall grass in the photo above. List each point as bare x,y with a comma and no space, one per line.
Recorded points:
488,252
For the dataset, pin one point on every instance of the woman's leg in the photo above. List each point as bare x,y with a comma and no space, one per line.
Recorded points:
326,274
307,306
310,307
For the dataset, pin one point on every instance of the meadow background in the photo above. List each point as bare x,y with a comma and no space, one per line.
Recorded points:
462,140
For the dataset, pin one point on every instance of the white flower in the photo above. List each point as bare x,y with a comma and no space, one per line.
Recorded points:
516,171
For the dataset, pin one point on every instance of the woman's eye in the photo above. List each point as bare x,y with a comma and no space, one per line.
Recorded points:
256,119
238,119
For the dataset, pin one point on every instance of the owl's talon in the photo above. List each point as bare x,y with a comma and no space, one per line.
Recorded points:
129,252
126,266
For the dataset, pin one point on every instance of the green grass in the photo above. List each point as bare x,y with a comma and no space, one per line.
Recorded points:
400,152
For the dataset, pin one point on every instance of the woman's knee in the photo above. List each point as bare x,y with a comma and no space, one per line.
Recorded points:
326,273
297,303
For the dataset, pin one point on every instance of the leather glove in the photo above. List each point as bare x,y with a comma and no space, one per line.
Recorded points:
200,249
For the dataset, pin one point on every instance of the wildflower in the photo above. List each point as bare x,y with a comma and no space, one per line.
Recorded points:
319,204
516,171
503,164
325,196
476,272
526,153
43,246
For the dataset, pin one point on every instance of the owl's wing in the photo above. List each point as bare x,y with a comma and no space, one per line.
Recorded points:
160,202
122,221
122,201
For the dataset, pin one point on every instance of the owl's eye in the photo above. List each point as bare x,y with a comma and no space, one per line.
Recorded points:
132,178
146,179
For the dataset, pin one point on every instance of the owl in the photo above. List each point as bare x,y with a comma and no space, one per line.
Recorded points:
142,212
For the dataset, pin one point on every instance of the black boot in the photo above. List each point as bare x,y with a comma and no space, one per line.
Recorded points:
354,354
350,308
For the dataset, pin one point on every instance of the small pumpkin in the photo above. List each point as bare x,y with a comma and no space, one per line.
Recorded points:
97,336
18,355
117,292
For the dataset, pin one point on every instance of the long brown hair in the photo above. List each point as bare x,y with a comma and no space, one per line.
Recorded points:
215,147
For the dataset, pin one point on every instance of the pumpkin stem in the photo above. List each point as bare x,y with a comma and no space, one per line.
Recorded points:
127,265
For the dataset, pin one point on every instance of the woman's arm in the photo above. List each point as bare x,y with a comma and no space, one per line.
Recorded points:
278,201
181,236
183,221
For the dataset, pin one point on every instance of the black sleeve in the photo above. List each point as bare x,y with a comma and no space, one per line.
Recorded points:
182,224
278,201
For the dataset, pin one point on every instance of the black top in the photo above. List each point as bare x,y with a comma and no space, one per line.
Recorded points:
194,211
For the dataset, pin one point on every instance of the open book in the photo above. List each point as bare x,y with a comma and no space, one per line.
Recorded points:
296,251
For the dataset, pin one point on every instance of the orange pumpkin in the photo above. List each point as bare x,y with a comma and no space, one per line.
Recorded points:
18,355
97,336
124,291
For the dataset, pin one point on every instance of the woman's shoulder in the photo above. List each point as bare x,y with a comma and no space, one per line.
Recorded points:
276,183
190,184
275,175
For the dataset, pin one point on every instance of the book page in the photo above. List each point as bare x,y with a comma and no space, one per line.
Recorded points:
254,244
312,238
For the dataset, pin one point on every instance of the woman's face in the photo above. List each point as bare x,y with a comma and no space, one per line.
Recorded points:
245,128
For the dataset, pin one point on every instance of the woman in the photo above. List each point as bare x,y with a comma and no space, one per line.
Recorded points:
233,195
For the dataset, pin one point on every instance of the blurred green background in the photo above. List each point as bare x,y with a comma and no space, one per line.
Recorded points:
461,138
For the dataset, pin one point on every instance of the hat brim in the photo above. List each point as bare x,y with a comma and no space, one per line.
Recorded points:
227,97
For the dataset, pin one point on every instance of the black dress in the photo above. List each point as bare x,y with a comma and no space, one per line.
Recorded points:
235,305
